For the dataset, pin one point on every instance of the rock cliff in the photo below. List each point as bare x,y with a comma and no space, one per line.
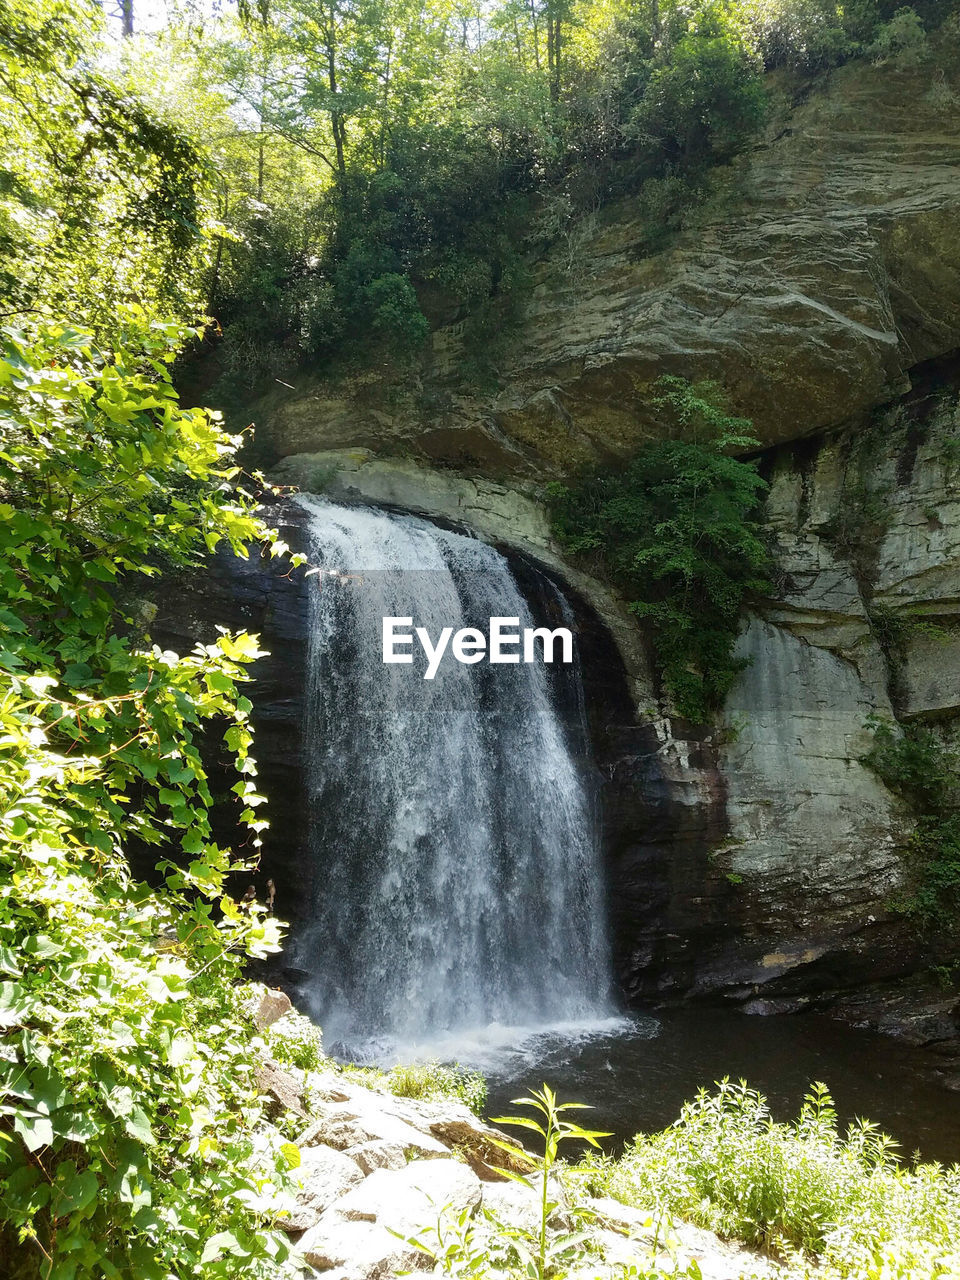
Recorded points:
820,285
819,270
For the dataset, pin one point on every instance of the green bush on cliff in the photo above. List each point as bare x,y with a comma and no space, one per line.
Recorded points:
916,764
702,104
678,529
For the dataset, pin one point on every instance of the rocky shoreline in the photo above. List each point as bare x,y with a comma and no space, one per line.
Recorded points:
378,1172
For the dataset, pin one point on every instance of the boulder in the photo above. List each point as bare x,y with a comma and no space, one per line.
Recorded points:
324,1176
359,1251
454,1124
362,1120
378,1155
409,1199
282,1089
356,1234
273,1005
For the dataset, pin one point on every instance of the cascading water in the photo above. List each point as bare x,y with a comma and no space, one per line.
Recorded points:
452,821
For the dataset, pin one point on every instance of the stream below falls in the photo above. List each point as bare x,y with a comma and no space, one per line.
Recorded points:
638,1075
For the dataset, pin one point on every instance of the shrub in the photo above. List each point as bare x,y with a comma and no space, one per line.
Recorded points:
677,527
808,35
431,1080
131,1138
901,41
915,763
132,1132
295,1041
702,105
393,308
844,1202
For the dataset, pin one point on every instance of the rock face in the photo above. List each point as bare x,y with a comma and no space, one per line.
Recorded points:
756,862
819,271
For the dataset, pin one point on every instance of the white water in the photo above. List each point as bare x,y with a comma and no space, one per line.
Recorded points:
459,901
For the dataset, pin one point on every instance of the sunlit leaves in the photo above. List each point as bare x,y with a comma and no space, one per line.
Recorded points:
128,1135
102,202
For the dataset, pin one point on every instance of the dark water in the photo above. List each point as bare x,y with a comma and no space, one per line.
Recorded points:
638,1078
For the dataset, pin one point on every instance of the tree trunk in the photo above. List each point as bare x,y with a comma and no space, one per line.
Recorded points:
554,40
536,33
550,53
336,116
261,136
557,43
223,209
126,17
386,102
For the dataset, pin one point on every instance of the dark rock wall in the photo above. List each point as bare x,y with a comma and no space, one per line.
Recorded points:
263,596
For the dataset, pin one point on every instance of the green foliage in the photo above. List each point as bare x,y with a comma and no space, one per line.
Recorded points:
703,104
833,1206
130,1135
130,1125
295,1041
811,35
457,1248
915,763
541,1253
432,1080
902,41
131,1140
677,527
102,202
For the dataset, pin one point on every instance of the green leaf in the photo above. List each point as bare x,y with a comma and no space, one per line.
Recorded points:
79,1190
137,1125
224,1242
35,1130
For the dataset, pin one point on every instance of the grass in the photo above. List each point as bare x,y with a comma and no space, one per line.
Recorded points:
827,1204
432,1081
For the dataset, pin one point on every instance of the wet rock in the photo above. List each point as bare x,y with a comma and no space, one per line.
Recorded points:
358,1251
355,1232
410,1198
361,1121
378,1155
455,1125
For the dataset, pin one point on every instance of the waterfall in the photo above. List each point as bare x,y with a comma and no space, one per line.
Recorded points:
453,822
